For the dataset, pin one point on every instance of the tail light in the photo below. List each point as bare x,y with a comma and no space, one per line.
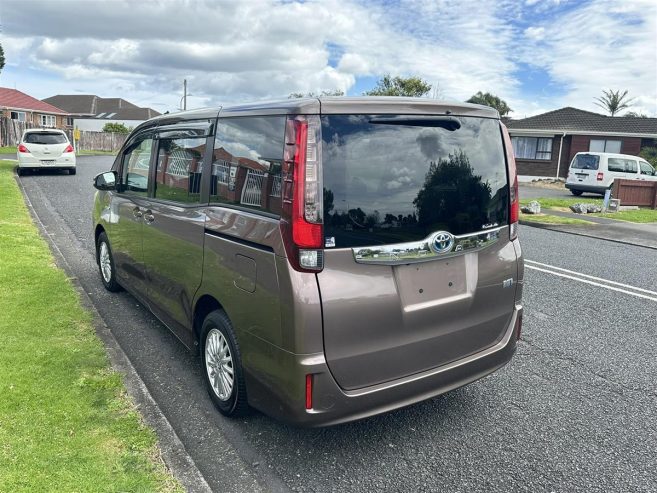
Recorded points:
600,176
22,148
514,200
69,148
303,215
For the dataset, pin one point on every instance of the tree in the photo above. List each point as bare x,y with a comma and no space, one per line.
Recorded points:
2,58
649,153
118,128
635,114
400,86
334,92
614,101
488,99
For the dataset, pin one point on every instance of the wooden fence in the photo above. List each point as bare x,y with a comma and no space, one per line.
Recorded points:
636,192
12,130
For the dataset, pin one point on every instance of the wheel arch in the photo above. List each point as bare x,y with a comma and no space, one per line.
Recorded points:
203,306
97,231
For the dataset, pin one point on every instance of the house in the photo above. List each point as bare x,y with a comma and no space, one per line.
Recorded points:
91,112
20,107
545,144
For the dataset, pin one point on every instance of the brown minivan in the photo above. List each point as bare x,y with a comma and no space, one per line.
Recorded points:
331,258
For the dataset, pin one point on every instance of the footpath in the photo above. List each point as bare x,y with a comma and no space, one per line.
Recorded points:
644,234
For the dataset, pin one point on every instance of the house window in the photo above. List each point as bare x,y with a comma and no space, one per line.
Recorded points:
18,115
48,120
599,145
69,121
532,147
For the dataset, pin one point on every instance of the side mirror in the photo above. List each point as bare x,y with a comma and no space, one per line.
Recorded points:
105,181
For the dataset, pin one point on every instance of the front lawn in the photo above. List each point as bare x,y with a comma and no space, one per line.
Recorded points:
8,150
66,423
557,204
548,219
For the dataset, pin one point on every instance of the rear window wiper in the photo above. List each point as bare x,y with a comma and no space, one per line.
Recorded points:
446,122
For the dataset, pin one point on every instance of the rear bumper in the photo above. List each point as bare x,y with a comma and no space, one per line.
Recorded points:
26,160
281,392
586,188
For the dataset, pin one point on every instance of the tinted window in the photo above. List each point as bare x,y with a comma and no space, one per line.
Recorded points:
395,182
646,169
620,165
179,166
136,163
45,138
246,162
585,161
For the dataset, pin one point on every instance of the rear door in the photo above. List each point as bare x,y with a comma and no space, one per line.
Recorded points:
46,145
584,169
419,270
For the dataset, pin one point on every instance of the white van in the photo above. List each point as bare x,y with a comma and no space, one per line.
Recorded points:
595,171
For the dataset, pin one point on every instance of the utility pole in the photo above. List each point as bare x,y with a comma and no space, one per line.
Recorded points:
184,94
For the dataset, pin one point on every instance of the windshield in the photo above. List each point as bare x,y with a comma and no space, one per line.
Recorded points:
585,161
45,138
399,179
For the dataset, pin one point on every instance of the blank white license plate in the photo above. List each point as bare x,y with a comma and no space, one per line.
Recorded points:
48,162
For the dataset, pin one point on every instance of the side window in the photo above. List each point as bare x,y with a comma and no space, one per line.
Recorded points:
179,166
246,162
136,163
616,164
646,169
631,166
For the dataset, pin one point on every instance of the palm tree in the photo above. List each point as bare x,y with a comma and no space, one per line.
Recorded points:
614,101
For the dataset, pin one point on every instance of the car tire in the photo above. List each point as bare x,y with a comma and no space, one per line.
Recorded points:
576,193
220,355
106,266
20,171
72,171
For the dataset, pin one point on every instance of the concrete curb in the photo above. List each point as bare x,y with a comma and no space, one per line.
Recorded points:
553,227
174,454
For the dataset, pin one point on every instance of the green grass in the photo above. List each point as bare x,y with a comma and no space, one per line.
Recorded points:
66,423
96,153
548,219
551,203
639,216
8,150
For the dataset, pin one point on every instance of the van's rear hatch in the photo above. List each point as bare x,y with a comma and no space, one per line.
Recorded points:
418,267
584,169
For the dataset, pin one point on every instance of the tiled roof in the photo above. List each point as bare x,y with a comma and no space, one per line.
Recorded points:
573,119
89,104
11,98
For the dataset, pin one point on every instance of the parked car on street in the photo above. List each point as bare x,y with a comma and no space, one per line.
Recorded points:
45,148
595,171
331,258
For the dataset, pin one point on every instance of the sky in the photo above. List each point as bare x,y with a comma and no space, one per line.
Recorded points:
537,55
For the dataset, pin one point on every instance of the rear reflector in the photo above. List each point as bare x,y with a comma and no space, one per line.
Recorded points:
519,325
309,391
514,200
22,148
600,176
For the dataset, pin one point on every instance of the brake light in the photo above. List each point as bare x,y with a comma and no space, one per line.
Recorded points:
22,148
514,200
69,148
600,176
309,391
302,217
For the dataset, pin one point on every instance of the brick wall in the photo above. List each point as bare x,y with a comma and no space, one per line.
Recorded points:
580,143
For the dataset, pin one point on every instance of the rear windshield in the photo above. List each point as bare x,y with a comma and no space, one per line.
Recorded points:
393,179
585,161
45,138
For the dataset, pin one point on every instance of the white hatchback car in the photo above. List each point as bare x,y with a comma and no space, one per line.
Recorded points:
45,148
595,171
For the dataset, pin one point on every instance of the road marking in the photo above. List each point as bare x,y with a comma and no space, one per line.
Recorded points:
593,283
592,277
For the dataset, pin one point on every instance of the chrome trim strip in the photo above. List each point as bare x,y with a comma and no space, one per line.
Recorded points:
422,251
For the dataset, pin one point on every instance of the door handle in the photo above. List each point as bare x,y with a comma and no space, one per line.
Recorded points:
137,212
149,217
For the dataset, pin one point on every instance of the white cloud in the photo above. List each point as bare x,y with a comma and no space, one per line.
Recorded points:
535,33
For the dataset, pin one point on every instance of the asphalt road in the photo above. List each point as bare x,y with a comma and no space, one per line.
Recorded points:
575,410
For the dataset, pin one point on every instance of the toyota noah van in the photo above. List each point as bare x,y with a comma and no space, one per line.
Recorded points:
329,258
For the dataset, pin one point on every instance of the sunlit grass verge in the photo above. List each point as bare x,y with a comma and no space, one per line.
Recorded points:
8,150
66,423
644,215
